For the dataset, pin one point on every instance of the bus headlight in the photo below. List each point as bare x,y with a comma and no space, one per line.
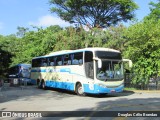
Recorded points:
105,86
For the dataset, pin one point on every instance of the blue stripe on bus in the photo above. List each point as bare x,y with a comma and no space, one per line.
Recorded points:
65,70
40,70
58,70
33,70
98,89
62,85
70,86
52,70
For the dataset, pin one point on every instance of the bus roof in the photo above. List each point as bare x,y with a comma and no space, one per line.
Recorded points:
22,64
78,50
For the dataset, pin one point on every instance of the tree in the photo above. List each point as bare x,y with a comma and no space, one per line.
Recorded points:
34,43
5,54
21,31
155,11
143,48
95,13
115,37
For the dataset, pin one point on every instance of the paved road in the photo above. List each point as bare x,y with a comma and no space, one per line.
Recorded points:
32,99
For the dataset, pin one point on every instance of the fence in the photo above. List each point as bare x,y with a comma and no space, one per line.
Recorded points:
153,83
5,83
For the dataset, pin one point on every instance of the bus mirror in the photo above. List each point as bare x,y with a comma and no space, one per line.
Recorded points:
129,62
99,63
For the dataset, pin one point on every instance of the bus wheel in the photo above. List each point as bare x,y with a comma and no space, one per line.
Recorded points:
43,85
79,90
39,84
103,94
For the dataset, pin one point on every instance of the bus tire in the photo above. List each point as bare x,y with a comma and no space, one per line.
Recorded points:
79,90
103,94
39,84
43,85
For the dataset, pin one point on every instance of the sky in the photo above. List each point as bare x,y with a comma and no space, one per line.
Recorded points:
28,13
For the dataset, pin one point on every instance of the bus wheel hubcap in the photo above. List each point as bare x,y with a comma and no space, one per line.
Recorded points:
80,90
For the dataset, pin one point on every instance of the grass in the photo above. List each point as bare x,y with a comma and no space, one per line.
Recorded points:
130,89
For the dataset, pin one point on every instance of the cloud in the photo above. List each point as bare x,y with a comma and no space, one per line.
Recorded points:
48,20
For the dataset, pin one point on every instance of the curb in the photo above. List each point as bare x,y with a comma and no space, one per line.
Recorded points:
141,91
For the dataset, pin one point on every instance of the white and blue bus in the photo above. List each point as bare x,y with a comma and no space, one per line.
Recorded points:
88,70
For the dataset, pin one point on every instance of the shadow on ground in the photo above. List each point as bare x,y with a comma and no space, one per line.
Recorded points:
28,92
111,109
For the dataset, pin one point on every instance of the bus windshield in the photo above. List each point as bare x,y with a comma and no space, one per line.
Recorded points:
110,70
21,70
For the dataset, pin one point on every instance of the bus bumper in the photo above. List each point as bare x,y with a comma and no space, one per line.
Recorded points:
101,89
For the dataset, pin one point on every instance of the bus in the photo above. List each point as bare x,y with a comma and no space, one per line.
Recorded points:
19,73
88,70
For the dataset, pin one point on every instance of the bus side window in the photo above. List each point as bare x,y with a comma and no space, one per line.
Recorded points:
80,61
69,62
75,62
48,61
36,62
43,62
51,61
55,60
59,63
59,60
67,59
77,58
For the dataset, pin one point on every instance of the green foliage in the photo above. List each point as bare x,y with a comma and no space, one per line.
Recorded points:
115,37
35,43
139,42
101,13
143,46
155,11
6,53
143,49
21,31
